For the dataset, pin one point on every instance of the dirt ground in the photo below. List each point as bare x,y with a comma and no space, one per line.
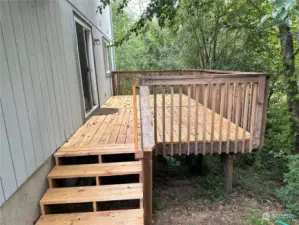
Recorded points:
180,204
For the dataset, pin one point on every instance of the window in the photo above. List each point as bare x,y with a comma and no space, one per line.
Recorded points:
87,66
107,56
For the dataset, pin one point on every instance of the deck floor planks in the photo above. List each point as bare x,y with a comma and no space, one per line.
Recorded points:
124,127
115,124
116,129
95,126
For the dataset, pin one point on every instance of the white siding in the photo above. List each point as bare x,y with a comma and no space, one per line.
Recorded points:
2,199
7,170
41,100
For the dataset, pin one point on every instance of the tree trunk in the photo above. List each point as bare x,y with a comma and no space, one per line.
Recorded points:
288,58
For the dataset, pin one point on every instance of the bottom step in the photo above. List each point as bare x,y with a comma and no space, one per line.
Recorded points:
119,217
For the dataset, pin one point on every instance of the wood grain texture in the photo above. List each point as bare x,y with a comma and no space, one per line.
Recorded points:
92,193
96,170
147,128
118,109
123,217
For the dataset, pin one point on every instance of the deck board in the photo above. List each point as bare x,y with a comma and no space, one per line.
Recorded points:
113,124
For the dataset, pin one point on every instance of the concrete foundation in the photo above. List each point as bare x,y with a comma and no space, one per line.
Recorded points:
22,208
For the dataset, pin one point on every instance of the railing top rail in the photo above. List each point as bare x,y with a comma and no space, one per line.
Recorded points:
193,79
188,71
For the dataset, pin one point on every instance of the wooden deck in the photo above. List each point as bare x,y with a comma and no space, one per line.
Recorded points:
113,124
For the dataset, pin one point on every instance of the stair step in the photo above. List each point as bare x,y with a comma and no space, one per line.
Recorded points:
96,170
87,194
97,150
118,217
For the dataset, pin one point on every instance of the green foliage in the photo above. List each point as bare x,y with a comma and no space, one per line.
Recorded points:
289,194
152,49
228,35
278,140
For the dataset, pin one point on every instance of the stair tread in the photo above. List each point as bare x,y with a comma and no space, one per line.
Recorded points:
92,194
118,217
92,170
95,150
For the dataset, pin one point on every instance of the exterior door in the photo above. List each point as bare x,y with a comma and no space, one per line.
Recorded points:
88,82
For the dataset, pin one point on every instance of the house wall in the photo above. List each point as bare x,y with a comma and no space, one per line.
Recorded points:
41,102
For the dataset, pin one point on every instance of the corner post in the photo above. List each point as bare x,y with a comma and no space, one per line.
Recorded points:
227,161
148,186
148,143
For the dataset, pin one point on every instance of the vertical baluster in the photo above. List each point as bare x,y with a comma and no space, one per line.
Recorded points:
188,119
180,119
163,120
171,118
196,118
250,107
237,117
204,126
214,89
223,88
155,118
245,115
253,115
229,115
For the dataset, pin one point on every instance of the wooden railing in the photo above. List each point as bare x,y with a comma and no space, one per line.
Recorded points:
214,113
122,81
196,112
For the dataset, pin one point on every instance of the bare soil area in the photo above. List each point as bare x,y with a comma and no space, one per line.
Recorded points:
180,204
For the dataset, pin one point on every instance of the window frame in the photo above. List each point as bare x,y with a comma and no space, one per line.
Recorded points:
107,54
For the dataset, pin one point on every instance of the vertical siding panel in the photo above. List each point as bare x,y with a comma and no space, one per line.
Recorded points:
37,90
58,85
65,72
7,170
49,74
27,81
2,199
55,70
10,117
55,14
42,76
17,87
76,75
72,76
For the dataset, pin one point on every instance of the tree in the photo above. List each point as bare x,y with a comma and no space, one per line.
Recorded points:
285,13
212,25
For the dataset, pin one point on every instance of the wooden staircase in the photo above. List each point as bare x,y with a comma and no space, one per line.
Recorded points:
95,194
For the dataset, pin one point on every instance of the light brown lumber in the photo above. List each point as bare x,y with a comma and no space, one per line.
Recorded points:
92,194
96,150
95,170
117,217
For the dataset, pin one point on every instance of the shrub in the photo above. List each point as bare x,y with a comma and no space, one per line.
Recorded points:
289,194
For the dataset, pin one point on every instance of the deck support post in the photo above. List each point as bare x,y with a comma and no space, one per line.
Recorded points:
148,185
227,163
